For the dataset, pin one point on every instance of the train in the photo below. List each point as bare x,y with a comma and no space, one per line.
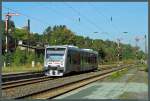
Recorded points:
64,59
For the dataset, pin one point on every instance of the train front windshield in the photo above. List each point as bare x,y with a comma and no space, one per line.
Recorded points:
54,57
55,54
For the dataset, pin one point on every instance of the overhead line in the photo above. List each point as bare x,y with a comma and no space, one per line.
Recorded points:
39,20
27,15
58,13
84,17
100,13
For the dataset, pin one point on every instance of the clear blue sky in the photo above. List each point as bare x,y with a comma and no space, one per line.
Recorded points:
94,17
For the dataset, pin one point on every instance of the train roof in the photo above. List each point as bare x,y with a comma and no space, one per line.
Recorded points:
89,50
62,46
74,48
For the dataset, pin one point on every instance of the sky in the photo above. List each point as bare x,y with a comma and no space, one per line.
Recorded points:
109,19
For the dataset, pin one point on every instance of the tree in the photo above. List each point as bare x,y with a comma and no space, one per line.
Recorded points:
61,36
47,34
20,34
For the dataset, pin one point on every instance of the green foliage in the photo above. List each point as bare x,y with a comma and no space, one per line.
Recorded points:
19,57
8,58
23,57
30,57
118,74
61,35
36,37
20,34
40,58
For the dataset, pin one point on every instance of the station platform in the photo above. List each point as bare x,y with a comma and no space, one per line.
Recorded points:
131,85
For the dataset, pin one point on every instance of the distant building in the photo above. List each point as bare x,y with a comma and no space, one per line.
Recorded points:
37,49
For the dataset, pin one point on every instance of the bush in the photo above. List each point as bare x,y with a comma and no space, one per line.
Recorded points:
19,57
30,57
146,69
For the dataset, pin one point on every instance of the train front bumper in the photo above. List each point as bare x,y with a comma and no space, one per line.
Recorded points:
54,71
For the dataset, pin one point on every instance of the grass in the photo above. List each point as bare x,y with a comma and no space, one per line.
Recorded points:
118,74
122,72
22,68
39,67
143,67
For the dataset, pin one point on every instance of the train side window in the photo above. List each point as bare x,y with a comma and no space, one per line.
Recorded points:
76,58
69,57
87,58
83,59
73,58
95,59
89,61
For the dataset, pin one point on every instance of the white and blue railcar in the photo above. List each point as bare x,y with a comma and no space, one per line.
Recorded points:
64,59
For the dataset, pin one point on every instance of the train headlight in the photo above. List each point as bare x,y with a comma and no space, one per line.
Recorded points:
45,68
46,62
61,63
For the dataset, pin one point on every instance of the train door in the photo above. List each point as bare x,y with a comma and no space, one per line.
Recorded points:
81,61
68,63
76,61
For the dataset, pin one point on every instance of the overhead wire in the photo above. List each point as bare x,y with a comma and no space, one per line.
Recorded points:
110,20
25,15
85,18
43,22
58,13
66,17
28,16
101,14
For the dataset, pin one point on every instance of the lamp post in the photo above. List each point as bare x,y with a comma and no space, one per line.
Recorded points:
119,48
145,44
28,28
146,53
118,45
136,40
7,18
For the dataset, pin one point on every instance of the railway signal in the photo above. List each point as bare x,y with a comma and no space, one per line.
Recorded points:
7,18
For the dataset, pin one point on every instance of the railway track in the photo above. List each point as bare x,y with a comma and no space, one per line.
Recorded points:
54,92
17,83
36,77
21,82
51,92
6,78
21,76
